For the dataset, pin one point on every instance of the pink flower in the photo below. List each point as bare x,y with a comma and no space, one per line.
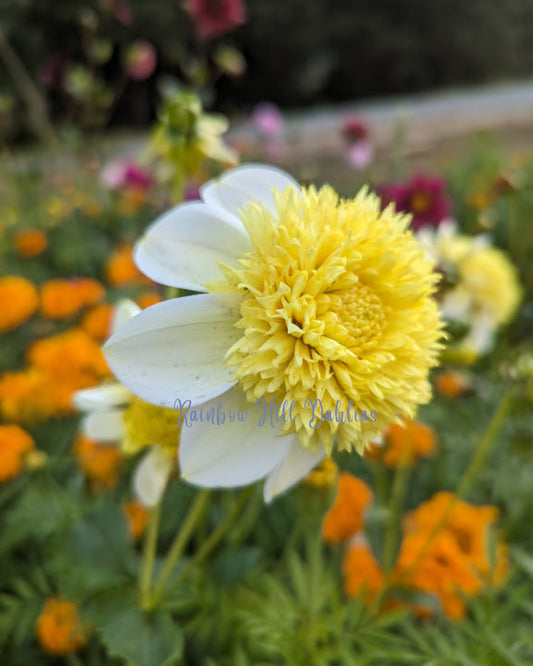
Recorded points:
120,10
360,154
268,119
140,60
125,173
422,196
359,151
215,17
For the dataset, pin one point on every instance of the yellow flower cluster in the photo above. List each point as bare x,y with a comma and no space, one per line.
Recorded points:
481,288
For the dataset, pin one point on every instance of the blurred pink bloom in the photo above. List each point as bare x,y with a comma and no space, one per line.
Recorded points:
267,119
360,150
424,197
360,154
125,173
120,10
192,192
215,17
140,60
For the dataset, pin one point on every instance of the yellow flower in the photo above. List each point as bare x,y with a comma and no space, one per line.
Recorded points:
19,300
325,306
59,629
485,294
324,475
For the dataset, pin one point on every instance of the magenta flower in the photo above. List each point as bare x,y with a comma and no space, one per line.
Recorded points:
125,173
215,17
423,197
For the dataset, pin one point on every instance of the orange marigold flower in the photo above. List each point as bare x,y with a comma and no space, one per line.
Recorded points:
59,629
30,242
97,321
405,443
468,524
121,270
324,475
137,516
24,396
64,298
19,300
99,462
346,516
70,353
148,298
362,573
452,384
437,566
70,362
15,444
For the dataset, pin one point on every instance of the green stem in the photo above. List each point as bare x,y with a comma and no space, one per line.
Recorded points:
211,543
180,542
397,500
480,456
148,559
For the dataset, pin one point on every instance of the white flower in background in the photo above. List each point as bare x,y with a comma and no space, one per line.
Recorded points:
313,300
482,287
113,414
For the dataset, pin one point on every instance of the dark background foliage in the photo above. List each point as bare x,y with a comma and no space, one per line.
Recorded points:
298,51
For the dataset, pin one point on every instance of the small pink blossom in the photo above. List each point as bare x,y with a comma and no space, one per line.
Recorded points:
125,173
360,154
140,60
268,120
120,10
215,17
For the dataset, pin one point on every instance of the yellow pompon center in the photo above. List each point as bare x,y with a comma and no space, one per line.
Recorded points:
337,308
148,424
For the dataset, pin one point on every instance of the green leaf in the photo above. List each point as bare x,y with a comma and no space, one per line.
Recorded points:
143,640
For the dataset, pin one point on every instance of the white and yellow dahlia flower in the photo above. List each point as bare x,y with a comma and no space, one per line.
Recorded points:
315,308
481,290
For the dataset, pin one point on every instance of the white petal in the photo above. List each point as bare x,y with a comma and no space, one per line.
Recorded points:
124,310
105,426
480,337
175,349
181,248
152,474
239,187
101,398
299,462
225,454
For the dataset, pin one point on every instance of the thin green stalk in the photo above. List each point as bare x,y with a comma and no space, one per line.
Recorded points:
148,559
180,542
480,456
213,540
396,504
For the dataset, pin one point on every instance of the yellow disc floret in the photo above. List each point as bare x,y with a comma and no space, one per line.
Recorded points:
337,315
148,424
